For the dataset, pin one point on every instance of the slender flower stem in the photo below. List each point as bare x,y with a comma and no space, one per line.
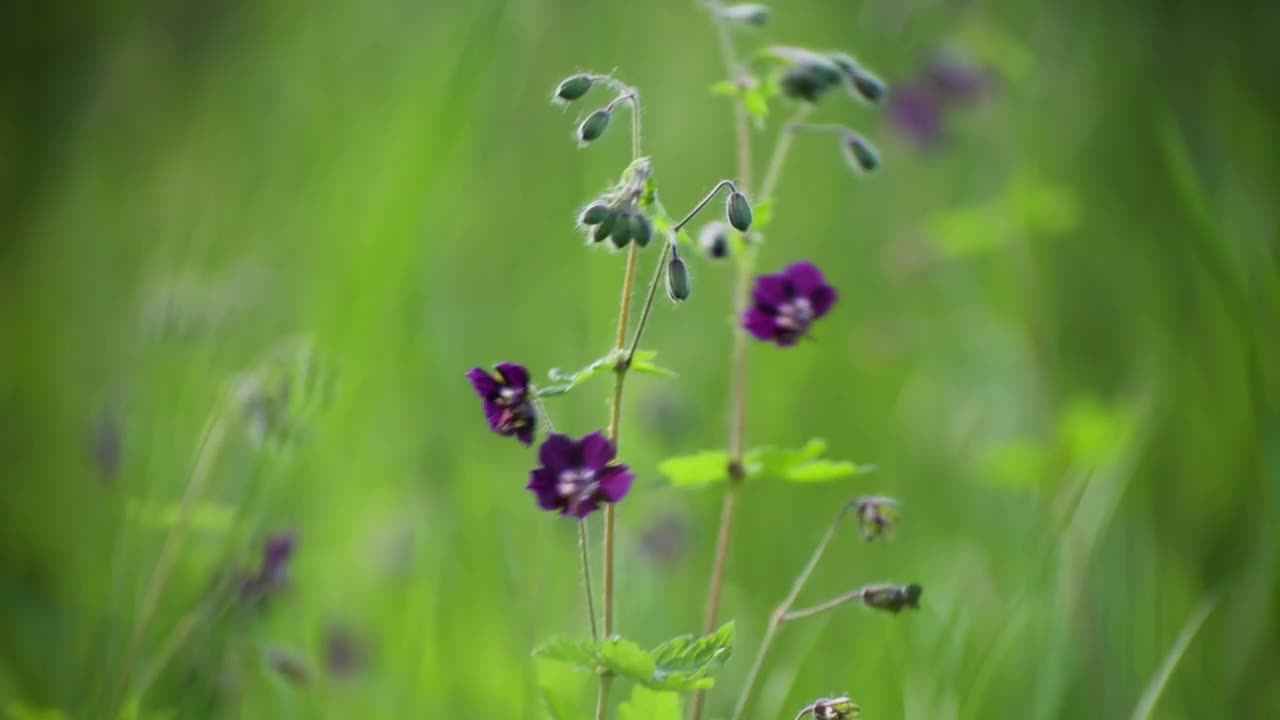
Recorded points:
783,147
820,608
738,362
804,712
586,579
780,615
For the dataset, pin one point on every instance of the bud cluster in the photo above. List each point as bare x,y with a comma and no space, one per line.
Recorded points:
618,215
809,75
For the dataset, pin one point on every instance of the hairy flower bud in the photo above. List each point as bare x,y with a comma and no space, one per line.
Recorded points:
860,154
621,234
594,126
605,227
876,516
641,229
870,87
594,214
837,708
738,211
893,598
748,13
678,286
802,83
714,240
572,88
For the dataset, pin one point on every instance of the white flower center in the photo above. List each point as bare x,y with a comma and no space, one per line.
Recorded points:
508,396
576,482
795,314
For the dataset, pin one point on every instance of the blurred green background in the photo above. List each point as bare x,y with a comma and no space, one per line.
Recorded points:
1057,340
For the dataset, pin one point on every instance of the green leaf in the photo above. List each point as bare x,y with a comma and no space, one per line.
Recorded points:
704,468
643,362
582,653
646,704
684,664
728,88
825,470
805,465
763,212
627,659
568,381
756,103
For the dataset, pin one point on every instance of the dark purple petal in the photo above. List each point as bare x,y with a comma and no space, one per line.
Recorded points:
772,290
615,483
525,434
805,277
581,509
557,453
787,338
493,412
762,326
823,299
275,556
543,484
514,376
597,451
483,382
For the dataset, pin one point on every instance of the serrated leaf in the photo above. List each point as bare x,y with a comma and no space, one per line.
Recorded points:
570,380
646,704
581,653
704,468
627,659
778,461
684,663
643,362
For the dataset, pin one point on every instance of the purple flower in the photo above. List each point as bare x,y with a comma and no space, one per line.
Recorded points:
507,400
576,476
275,567
785,305
917,114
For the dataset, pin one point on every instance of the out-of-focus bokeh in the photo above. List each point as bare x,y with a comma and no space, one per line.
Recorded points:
248,250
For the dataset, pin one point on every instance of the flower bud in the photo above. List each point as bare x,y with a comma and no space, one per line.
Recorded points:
860,154
572,88
876,516
594,214
594,126
893,598
870,87
621,234
714,240
802,83
748,13
837,708
677,278
605,227
738,211
641,229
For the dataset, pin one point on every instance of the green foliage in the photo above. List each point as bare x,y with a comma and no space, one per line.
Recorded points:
646,704
682,664
642,362
803,465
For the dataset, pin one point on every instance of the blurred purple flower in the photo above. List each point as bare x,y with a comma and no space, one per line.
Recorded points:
274,572
507,402
919,109
785,305
953,79
916,114
576,476
343,653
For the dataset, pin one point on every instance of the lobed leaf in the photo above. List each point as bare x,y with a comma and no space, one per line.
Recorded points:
584,654
646,704
703,468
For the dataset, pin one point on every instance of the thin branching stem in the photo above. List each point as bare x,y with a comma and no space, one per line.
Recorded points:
780,615
820,608
804,712
783,147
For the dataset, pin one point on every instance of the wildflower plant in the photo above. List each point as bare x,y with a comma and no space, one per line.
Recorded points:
577,477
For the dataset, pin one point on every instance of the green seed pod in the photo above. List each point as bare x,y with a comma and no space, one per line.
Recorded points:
594,126
738,211
677,278
572,88
870,87
605,227
641,229
594,214
621,234
860,154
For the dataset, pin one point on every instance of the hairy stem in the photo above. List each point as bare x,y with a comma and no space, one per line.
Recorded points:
783,146
648,302
820,608
738,362
586,578
804,712
781,614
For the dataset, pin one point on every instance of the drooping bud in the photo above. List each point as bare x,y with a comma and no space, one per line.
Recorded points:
738,211
678,286
801,83
749,13
870,87
594,214
641,229
876,516
714,240
605,227
572,88
594,126
893,598
837,708
621,234
860,154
